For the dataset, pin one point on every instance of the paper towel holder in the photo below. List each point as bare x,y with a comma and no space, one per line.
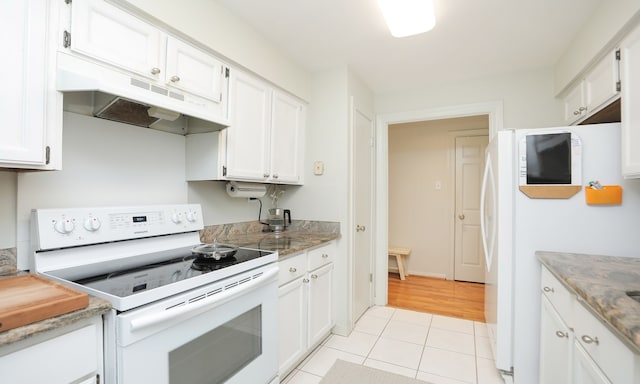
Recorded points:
245,190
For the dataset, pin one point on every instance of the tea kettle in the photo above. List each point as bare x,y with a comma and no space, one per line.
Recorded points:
278,219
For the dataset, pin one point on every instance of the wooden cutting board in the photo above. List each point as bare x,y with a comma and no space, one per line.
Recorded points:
29,298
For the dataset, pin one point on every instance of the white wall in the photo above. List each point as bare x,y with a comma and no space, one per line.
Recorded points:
420,217
8,187
221,31
528,98
596,37
105,163
219,208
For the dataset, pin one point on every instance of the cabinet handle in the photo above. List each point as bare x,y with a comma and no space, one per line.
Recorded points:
155,70
360,228
265,175
314,276
547,289
275,175
292,270
461,217
324,255
590,340
562,334
576,113
175,78
305,280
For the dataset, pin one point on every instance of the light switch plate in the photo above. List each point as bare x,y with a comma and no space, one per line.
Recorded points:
318,167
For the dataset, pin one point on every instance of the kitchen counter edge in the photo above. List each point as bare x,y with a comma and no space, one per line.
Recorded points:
96,307
600,283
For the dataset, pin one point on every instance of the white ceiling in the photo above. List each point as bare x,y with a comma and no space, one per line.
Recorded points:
471,39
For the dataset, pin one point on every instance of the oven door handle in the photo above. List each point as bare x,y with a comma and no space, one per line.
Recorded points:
212,301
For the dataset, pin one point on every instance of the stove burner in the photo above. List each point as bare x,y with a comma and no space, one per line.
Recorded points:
201,263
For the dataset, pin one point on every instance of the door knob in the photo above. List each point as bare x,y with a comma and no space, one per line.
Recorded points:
461,217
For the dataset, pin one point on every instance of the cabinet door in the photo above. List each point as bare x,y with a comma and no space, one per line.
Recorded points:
287,127
630,99
292,324
585,370
22,134
60,360
574,104
248,135
555,346
601,84
320,303
104,32
193,70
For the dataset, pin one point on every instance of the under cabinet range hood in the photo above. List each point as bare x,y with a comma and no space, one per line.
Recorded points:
134,100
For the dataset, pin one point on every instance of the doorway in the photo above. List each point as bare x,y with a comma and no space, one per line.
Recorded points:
493,111
435,175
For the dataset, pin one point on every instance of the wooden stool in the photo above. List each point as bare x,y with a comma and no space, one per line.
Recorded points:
400,254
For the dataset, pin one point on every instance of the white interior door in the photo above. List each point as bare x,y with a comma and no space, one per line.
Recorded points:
362,199
469,261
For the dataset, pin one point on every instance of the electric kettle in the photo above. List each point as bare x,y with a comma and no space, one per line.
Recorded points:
278,219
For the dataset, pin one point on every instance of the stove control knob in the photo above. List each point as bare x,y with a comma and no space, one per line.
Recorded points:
176,217
191,216
64,226
92,224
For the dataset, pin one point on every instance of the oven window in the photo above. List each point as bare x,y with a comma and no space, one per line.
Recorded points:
219,354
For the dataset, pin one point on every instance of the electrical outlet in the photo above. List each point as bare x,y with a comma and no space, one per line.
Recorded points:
318,168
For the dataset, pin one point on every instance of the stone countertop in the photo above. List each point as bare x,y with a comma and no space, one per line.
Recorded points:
602,282
299,237
96,307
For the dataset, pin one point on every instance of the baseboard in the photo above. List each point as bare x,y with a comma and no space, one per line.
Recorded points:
424,274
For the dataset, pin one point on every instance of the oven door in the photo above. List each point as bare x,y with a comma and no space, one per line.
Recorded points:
225,332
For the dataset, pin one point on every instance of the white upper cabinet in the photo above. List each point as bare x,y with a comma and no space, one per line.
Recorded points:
193,70
31,132
287,122
104,32
602,83
630,100
248,135
265,139
594,91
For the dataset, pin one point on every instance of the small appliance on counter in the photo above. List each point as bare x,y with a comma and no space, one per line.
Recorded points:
278,219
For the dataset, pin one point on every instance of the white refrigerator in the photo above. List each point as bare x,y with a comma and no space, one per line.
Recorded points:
515,226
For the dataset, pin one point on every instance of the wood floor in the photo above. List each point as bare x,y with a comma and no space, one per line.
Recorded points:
443,297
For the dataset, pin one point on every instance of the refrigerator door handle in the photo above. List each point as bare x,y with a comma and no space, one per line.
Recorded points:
487,244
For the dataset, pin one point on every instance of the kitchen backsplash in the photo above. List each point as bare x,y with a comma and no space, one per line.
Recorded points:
223,231
7,261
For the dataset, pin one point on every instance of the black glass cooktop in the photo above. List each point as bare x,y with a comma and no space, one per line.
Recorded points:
182,266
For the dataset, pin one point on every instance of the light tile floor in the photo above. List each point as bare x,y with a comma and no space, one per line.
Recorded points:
433,348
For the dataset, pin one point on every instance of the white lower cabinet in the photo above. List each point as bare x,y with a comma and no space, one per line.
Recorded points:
575,346
305,304
292,322
71,356
586,371
555,341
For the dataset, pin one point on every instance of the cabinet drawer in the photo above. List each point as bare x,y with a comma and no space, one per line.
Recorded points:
321,255
615,359
559,296
292,268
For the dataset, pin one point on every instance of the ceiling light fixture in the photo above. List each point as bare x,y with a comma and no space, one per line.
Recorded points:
408,17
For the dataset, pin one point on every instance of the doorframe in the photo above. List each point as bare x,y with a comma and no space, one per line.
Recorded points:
494,110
